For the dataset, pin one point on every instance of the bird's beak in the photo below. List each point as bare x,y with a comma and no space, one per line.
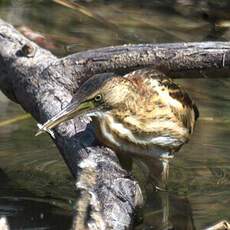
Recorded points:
72,110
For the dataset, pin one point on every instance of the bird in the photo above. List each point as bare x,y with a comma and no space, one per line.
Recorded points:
143,113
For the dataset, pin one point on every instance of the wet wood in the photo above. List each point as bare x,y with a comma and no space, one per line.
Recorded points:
43,84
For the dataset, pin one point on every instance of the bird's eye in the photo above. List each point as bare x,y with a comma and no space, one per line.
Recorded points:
98,98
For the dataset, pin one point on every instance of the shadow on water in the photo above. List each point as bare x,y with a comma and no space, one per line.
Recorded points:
32,214
36,189
24,210
167,211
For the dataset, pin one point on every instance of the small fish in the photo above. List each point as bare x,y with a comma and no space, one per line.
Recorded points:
42,129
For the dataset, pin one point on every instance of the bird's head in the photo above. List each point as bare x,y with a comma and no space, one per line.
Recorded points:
98,95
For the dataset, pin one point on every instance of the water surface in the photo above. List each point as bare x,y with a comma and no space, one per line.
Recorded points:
37,191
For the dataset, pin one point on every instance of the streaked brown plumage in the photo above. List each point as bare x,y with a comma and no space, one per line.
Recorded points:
154,107
142,113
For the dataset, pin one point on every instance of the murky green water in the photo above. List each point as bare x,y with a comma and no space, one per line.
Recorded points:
36,189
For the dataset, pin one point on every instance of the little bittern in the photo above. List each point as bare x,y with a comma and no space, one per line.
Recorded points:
142,113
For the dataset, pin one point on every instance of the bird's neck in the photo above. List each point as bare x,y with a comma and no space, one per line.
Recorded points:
114,134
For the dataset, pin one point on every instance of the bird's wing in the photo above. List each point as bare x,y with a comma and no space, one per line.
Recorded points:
187,113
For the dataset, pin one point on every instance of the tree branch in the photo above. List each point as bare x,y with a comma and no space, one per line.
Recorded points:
178,60
107,197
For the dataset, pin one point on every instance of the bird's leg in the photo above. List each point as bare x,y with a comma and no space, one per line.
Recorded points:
156,169
165,210
164,159
165,207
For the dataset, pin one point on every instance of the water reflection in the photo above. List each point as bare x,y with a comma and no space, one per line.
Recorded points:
32,214
167,211
31,167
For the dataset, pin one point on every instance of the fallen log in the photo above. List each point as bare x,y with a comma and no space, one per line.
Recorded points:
43,84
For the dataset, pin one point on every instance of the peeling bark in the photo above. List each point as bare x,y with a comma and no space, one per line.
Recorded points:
43,84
